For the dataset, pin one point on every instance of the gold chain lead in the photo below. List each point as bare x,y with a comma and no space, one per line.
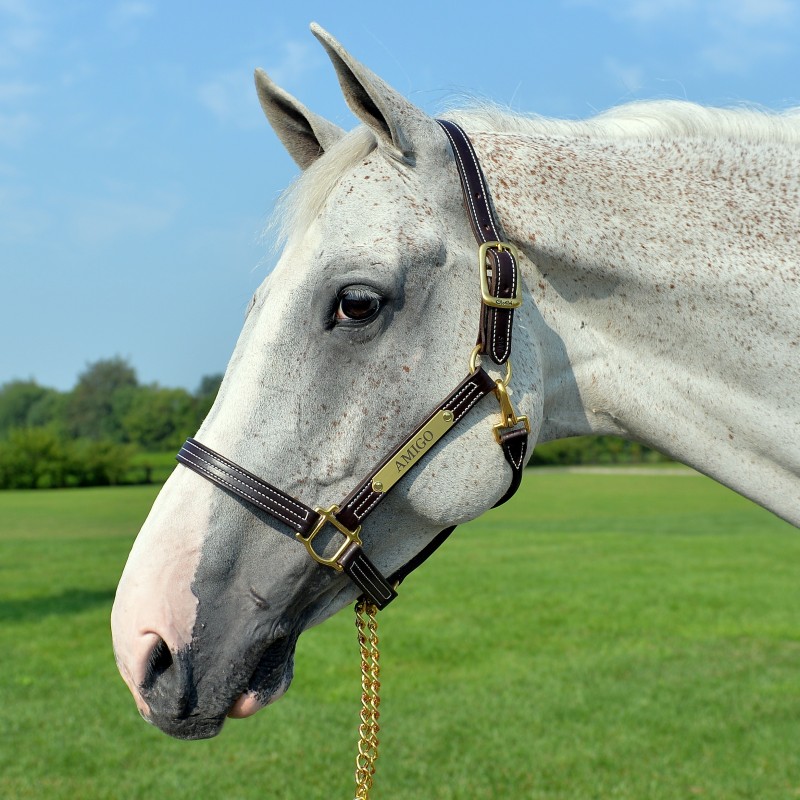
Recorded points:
367,627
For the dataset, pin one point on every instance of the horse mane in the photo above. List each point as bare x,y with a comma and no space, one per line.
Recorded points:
651,120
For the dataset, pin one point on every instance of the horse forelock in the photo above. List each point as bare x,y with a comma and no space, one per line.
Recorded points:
304,198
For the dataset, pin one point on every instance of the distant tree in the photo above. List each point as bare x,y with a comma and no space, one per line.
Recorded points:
36,458
99,463
209,385
159,418
32,458
101,398
17,399
87,437
593,450
206,394
50,411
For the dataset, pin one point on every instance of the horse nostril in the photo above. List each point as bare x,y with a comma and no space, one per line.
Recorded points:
158,663
166,691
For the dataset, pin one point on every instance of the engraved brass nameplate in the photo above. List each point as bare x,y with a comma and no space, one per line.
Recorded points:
412,450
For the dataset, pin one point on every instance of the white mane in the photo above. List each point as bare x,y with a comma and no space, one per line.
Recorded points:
648,121
644,121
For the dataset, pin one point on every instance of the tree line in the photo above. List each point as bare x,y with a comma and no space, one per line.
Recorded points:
100,432
593,450
91,435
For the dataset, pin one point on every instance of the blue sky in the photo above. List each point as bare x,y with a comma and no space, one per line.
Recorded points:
137,172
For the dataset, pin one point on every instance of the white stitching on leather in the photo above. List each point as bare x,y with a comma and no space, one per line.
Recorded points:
368,489
364,580
303,516
458,408
471,150
260,503
471,404
359,568
468,389
501,357
291,517
479,174
461,162
361,512
510,315
518,462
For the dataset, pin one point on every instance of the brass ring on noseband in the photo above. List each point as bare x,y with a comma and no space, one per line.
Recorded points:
475,362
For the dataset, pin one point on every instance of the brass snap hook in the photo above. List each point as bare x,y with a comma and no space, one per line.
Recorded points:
509,418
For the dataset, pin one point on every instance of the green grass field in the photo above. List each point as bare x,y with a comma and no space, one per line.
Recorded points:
601,636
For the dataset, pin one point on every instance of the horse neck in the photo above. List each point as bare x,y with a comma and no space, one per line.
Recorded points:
655,295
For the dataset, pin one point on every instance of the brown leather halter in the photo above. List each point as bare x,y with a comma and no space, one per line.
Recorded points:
500,295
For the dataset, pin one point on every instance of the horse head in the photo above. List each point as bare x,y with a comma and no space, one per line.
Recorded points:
367,320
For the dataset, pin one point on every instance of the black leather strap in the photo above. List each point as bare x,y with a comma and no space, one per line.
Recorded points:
502,275
398,577
514,442
237,480
367,577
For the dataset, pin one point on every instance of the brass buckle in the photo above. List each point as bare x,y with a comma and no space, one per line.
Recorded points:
510,419
488,299
327,515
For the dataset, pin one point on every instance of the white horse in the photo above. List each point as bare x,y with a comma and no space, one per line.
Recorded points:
659,258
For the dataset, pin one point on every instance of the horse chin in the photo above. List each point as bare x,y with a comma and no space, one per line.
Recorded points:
249,702
269,681
245,705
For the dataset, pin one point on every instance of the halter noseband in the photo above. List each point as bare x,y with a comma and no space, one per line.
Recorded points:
500,295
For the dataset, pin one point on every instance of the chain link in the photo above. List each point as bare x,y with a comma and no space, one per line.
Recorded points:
367,627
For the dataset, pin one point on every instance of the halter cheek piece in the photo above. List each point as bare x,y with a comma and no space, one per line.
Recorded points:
500,295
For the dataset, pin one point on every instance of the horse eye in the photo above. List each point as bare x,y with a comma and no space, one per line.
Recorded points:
357,305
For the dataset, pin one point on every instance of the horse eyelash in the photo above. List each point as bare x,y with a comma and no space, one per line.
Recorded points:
358,293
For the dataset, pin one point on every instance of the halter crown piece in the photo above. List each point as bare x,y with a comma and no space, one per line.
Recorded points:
500,292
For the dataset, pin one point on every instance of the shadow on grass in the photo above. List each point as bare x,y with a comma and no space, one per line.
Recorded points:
70,601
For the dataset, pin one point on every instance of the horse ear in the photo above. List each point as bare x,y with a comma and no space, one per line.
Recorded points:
304,134
395,121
